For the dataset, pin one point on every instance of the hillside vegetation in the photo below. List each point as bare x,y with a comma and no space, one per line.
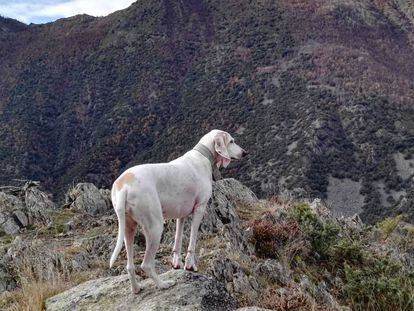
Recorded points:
320,92
284,254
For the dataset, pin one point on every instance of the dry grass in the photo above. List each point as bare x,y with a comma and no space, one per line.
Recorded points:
72,250
59,219
42,271
251,211
33,293
207,248
290,298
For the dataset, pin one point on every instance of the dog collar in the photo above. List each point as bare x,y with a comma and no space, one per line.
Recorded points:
205,152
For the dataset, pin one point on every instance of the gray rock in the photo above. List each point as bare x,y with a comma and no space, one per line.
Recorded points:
39,206
252,309
9,206
222,209
245,285
192,292
320,292
106,194
8,224
9,202
231,274
69,225
222,213
45,259
275,271
7,282
87,197
21,217
22,206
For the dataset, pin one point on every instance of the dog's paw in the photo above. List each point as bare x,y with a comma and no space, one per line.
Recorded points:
177,263
136,290
190,264
192,267
166,284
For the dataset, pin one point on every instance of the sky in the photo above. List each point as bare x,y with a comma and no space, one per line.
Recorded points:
44,11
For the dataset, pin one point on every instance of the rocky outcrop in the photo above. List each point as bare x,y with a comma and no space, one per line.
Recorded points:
38,204
21,206
87,197
192,291
222,210
232,268
10,208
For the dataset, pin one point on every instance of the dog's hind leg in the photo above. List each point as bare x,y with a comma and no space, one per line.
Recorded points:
153,227
130,231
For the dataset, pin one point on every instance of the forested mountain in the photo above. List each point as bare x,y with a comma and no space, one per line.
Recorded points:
320,92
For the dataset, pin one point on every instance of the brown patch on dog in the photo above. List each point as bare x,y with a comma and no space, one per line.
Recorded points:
126,179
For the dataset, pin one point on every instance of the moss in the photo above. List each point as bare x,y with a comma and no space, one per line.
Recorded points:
30,227
59,219
5,238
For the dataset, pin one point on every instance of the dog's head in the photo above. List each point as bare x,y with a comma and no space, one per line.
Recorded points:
226,148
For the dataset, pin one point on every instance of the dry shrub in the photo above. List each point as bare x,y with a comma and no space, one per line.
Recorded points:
290,298
280,200
283,240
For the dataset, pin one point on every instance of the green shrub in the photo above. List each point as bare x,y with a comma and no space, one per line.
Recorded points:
379,285
30,227
388,225
346,251
321,233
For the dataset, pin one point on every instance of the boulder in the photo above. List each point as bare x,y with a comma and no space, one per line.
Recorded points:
21,218
43,258
320,292
20,206
7,282
222,209
193,291
38,205
10,205
275,271
88,198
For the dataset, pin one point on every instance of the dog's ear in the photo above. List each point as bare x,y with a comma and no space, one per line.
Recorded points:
222,155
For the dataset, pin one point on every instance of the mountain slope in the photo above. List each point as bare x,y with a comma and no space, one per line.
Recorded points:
320,93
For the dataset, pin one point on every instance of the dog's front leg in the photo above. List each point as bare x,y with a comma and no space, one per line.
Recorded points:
197,217
176,261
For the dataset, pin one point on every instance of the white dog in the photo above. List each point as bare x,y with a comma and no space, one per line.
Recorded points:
147,194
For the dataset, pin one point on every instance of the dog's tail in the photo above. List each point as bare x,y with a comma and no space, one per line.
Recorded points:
120,212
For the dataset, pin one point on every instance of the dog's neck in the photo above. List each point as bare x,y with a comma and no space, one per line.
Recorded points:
206,153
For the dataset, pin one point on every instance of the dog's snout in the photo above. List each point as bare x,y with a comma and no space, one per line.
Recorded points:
244,153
